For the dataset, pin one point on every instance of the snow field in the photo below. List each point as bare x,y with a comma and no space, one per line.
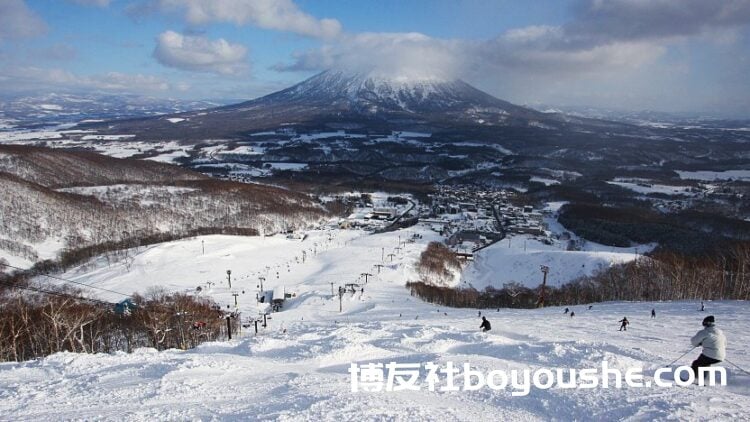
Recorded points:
297,368
519,258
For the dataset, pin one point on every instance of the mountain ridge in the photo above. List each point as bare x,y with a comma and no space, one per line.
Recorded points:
333,98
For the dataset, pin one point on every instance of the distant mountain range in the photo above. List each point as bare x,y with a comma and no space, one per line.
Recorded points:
651,118
53,109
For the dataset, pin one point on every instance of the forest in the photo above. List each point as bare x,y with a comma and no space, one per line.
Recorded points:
37,320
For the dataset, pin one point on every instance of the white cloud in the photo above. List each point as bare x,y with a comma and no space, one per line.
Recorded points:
599,22
532,33
196,53
543,51
282,15
612,51
32,77
387,54
116,81
18,21
528,50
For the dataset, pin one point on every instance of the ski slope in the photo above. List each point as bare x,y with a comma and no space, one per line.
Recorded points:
297,368
519,258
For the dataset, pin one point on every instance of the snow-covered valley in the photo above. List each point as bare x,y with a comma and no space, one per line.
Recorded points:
298,367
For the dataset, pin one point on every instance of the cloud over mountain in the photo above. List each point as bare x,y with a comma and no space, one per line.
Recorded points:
604,47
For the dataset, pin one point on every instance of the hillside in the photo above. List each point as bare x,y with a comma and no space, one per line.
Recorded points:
56,168
55,201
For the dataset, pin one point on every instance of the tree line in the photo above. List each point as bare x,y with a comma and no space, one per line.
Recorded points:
664,276
39,321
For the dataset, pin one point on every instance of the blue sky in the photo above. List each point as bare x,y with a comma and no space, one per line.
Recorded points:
670,55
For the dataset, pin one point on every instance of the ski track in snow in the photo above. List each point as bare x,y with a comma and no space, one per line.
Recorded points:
301,374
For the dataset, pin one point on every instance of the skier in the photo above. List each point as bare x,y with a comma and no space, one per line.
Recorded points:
485,325
479,313
624,325
572,314
714,345
590,306
653,313
703,307
566,311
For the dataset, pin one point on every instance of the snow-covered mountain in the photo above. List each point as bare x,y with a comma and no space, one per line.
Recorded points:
337,99
372,93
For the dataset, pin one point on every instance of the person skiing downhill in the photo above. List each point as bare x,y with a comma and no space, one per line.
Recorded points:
714,345
653,313
624,325
566,311
485,325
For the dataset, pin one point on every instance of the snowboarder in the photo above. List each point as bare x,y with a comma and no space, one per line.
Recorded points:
485,325
566,311
572,314
624,325
714,345
653,313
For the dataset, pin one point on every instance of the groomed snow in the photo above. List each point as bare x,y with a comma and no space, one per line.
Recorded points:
106,137
296,369
519,258
715,175
288,166
23,135
546,181
648,188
